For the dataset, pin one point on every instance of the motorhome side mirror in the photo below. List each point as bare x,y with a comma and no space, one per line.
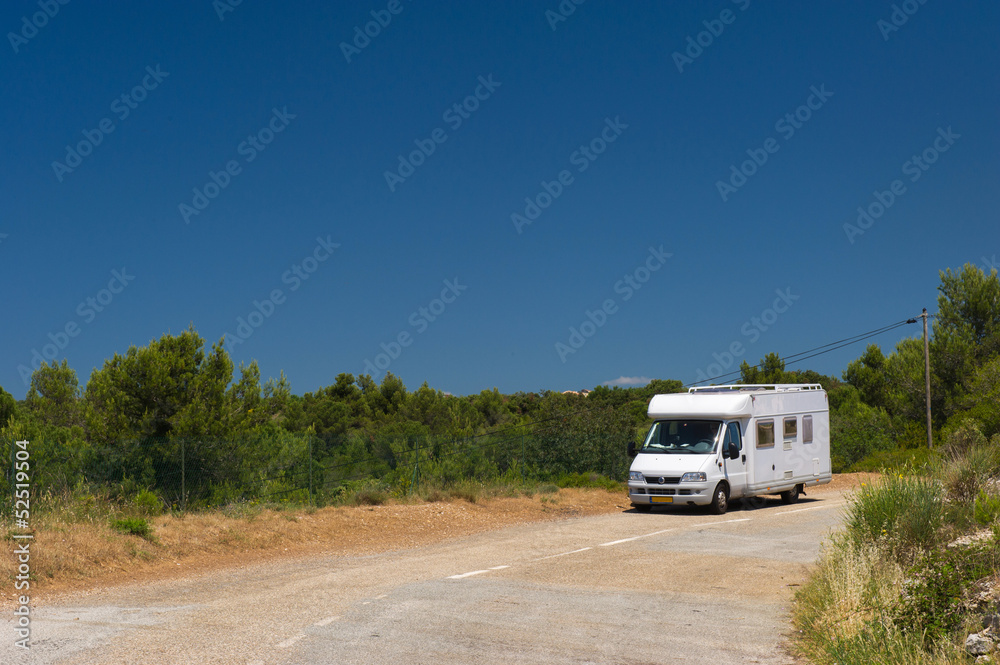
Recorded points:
631,449
734,450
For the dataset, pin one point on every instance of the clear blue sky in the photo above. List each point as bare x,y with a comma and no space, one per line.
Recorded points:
630,125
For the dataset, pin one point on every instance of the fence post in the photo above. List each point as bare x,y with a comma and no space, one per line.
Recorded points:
183,488
522,457
415,483
310,470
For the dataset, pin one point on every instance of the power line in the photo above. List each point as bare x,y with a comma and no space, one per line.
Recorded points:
820,350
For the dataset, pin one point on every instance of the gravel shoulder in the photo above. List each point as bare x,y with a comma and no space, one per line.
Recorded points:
85,556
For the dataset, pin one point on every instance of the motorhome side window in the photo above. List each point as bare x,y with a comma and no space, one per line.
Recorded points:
765,433
807,429
734,434
791,427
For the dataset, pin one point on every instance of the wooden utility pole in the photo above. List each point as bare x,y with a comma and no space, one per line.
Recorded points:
927,378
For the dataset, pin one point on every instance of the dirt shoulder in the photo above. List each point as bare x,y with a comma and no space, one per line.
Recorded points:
86,555
67,557
846,482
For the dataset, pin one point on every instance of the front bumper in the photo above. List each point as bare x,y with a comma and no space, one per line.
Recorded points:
686,494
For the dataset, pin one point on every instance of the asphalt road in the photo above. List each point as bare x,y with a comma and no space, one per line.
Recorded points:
678,586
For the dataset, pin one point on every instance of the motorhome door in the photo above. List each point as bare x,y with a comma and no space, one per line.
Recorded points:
735,468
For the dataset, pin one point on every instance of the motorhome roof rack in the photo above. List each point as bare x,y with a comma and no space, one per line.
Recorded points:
777,387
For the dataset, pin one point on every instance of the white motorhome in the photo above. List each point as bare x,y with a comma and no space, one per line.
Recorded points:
713,444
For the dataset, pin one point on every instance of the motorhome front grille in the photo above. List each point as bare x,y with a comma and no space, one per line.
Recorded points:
667,480
661,491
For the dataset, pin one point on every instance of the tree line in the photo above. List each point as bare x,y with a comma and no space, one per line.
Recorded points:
177,400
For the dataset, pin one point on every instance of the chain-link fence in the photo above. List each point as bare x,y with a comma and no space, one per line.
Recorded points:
199,472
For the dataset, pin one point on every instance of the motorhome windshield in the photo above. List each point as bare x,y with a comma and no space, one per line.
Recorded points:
687,437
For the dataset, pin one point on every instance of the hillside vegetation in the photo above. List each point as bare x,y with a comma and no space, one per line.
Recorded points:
175,422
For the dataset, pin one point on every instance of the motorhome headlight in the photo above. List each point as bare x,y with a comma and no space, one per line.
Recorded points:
635,475
694,477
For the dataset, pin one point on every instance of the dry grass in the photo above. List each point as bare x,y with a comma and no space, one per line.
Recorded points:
850,581
847,613
77,551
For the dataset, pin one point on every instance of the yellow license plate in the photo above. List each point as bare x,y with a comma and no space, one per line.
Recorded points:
662,499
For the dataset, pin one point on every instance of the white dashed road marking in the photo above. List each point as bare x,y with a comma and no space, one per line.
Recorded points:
327,621
629,540
743,519
464,575
640,537
830,505
553,556
290,641
476,572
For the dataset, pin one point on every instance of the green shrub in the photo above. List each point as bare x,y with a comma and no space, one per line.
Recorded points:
588,480
900,513
247,510
986,509
548,488
969,467
961,437
467,491
434,496
224,494
148,503
935,597
135,526
894,461
877,644
857,431
370,495
883,644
